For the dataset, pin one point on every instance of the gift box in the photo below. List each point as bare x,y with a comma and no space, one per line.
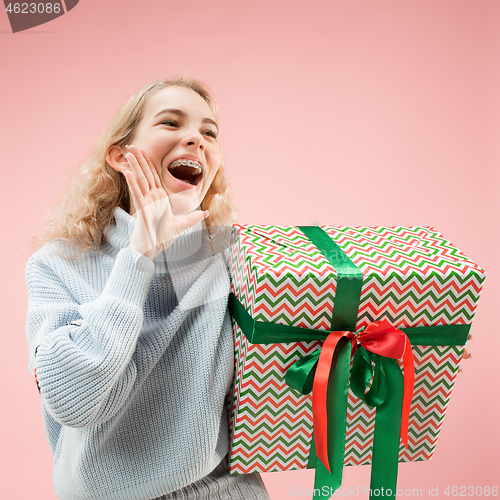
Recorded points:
292,286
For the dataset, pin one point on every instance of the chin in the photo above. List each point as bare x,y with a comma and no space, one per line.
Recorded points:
184,202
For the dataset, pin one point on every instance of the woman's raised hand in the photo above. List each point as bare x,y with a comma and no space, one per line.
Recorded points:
157,227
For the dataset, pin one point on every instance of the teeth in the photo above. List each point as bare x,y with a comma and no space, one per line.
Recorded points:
189,163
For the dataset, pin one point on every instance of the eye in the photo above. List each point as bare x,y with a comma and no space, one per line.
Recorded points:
211,133
170,123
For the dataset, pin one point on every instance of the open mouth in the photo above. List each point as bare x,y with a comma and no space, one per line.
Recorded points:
188,171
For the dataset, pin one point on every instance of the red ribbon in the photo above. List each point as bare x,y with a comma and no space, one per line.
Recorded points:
379,337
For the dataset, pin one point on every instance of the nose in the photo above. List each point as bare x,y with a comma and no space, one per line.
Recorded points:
195,139
200,145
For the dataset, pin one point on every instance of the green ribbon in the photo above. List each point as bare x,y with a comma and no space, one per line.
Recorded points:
386,390
349,279
263,332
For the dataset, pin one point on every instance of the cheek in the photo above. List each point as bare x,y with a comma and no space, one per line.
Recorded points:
153,149
154,145
216,159
214,172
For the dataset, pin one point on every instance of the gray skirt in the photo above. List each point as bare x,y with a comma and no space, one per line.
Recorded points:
220,485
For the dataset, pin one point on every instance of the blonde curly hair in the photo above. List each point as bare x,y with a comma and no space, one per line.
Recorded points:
86,210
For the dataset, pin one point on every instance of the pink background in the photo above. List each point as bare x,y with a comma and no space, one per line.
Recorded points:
343,112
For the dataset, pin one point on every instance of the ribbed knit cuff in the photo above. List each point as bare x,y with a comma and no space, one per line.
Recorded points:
130,278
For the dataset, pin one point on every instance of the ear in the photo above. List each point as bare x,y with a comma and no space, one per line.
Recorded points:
116,158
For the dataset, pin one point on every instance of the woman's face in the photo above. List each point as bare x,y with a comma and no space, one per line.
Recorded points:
178,134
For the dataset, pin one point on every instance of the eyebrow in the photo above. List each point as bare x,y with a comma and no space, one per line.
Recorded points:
182,114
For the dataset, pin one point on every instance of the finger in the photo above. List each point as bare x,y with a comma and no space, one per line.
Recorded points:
153,171
192,219
470,337
466,354
137,172
144,165
134,189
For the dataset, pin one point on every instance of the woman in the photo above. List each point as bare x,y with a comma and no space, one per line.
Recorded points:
130,337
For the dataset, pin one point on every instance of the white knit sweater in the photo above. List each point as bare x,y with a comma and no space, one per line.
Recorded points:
133,360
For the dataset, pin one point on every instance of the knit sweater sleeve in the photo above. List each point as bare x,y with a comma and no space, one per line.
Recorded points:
84,369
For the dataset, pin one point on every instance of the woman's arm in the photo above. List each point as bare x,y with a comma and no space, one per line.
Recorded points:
86,372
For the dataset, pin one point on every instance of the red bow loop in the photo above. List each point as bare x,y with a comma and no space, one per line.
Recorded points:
380,337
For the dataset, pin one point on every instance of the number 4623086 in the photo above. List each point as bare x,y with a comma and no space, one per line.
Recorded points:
471,491
33,8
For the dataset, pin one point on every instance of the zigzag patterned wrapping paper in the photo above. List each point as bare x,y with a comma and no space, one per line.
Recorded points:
412,276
